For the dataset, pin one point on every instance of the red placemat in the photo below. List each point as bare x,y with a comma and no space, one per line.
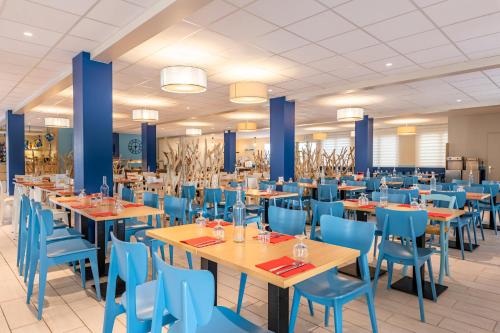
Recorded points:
212,224
284,261
475,195
202,241
130,205
102,214
404,205
351,200
66,193
68,200
276,237
370,206
434,214
81,206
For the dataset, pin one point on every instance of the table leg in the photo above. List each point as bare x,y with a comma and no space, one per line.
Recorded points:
342,194
277,309
211,266
409,285
266,208
456,243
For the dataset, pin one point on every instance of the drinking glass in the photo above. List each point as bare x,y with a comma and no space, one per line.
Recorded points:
201,221
300,250
414,203
219,231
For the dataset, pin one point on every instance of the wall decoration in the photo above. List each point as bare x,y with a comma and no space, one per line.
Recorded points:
308,161
135,146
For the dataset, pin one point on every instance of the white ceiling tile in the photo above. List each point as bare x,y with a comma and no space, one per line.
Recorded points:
115,12
281,13
400,26
321,26
349,41
93,30
474,28
323,79
371,53
241,25
144,3
364,12
452,11
425,3
293,85
240,3
381,64
308,53
485,43
330,64
211,12
36,15
276,63
433,54
76,44
63,56
25,48
8,57
484,54
40,36
279,41
351,71
333,3
76,7
445,61
299,72
421,41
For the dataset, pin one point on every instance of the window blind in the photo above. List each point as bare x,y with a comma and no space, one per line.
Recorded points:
337,141
430,146
385,148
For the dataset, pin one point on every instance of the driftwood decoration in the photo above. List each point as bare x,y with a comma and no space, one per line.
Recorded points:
68,163
308,161
262,161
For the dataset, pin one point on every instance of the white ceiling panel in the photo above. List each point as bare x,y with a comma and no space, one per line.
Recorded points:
299,72
425,3
14,30
474,28
420,41
115,12
433,54
242,25
351,71
330,64
364,12
277,12
396,62
279,41
452,11
25,48
371,53
78,7
211,12
321,26
400,26
76,44
479,44
333,3
349,41
308,53
93,30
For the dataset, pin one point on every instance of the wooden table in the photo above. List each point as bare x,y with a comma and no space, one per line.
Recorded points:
98,230
407,284
244,256
391,183
254,193
343,189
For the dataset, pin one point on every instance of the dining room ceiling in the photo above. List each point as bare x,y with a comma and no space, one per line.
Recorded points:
325,54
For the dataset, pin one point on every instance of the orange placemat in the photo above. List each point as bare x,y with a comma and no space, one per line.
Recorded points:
80,206
212,224
131,205
102,214
285,260
434,214
202,241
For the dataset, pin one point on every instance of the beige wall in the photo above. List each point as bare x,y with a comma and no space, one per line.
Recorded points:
407,150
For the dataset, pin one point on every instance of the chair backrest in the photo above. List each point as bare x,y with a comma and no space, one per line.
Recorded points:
346,178
264,184
401,223
440,200
355,183
320,208
306,180
150,199
413,193
327,192
474,189
347,233
212,196
234,184
175,208
293,188
128,194
287,221
446,187
409,181
493,189
392,197
187,294
125,253
372,184
426,187
460,182
230,198
45,221
460,197
188,192
24,211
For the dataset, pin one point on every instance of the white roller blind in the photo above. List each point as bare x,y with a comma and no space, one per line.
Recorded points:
430,146
385,148
337,141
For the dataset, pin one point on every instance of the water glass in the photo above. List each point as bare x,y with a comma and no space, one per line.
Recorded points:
264,236
300,250
414,203
219,231
201,221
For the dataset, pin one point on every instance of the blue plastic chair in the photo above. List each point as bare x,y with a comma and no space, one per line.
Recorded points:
235,184
56,253
460,182
211,203
409,181
406,225
353,194
473,208
372,184
328,192
175,209
189,296
306,180
230,198
346,178
413,193
490,205
151,200
132,225
264,184
332,289
189,193
129,261
319,209
444,187
329,180
282,220
426,187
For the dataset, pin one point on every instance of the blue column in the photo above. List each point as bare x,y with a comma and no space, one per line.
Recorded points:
148,147
15,148
282,138
92,122
363,152
116,145
229,151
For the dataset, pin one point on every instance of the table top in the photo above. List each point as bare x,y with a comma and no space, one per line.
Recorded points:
59,191
130,212
468,195
273,195
244,256
453,213
305,185
393,183
351,188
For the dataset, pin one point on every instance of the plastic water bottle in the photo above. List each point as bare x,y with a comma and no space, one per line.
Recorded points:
239,213
384,193
416,171
433,182
471,178
104,188
394,171
367,173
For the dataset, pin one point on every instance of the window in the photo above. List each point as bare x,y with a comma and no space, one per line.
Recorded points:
337,142
430,146
267,149
303,146
385,148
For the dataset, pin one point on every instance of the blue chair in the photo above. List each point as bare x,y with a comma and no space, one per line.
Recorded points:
230,198
282,220
189,193
306,180
129,261
57,253
319,209
235,184
473,208
332,289
439,187
460,182
328,192
406,225
329,180
346,178
372,184
299,201
189,296
151,200
490,205
175,209
409,193
444,187
264,184
409,181
353,194
211,203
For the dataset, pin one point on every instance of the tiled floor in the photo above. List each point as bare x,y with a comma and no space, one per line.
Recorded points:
471,304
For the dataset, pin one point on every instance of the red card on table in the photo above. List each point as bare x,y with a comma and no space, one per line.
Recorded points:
66,193
102,214
130,205
434,214
370,206
404,205
212,224
284,261
276,237
202,241
81,206
68,200
351,200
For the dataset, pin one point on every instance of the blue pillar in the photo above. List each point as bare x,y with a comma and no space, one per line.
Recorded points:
92,122
282,138
148,147
15,148
116,145
363,152
229,151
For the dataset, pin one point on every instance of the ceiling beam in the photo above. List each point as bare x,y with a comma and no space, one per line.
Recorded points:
153,21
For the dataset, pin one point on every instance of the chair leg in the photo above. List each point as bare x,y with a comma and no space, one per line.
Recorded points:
22,253
371,311
431,280
420,293
42,280
162,251
460,234
311,307
189,260
294,311
241,291
171,254
468,237
473,222
31,279
327,315
95,275
337,316
375,247
390,267
82,272
377,273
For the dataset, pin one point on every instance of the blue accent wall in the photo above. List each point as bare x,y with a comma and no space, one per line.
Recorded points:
116,145
93,122
123,146
64,145
282,138
15,148
229,151
363,154
148,147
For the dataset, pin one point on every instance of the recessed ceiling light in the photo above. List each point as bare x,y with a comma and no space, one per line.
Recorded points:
187,107
459,100
389,64
269,90
28,34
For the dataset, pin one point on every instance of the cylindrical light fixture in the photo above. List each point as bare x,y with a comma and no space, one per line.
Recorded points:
57,122
350,114
144,115
407,130
193,131
183,79
246,127
319,136
248,92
